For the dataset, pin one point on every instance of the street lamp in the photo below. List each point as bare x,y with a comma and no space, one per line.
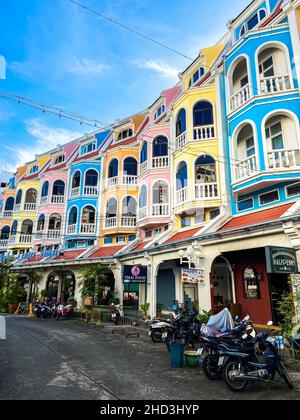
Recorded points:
192,255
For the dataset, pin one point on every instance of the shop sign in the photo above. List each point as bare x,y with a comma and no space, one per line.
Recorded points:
24,256
192,276
281,260
135,274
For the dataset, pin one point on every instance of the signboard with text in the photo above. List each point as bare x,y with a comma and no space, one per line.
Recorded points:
192,276
281,260
135,274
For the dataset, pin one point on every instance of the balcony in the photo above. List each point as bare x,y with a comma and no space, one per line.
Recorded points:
143,167
181,141
88,228
129,180
240,98
110,222
75,192
160,162
12,239
3,243
160,210
208,191
182,196
39,235
128,221
283,159
71,229
29,206
18,207
112,182
205,132
143,212
25,239
275,84
43,200
54,234
246,168
91,191
7,213
57,199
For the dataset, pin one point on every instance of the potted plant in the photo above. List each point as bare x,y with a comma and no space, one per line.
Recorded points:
44,294
159,309
145,309
14,293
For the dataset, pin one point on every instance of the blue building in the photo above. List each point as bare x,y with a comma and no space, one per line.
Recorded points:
83,202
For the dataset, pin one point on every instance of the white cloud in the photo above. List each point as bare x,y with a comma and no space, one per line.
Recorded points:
44,139
87,67
6,115
163,69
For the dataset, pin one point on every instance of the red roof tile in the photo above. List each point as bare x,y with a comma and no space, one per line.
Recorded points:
180,236
56,168
89,156
108,251
120,143
69,255
141,246
272,16
35,259
258,217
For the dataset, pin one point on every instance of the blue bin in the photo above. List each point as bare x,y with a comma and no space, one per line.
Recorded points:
177,355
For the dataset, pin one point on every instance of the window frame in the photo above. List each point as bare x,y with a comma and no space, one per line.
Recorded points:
269,192
289,186
245,29
84,150
245,199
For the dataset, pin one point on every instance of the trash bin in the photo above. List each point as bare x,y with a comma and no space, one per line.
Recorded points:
177,352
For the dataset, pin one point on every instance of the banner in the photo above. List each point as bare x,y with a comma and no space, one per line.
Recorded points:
192,276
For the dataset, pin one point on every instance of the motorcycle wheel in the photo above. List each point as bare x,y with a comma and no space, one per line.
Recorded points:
38,314
57,317
284,374
45,316
235,386
156,337
211,368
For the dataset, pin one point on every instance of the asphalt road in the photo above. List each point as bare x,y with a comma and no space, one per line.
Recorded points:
67,360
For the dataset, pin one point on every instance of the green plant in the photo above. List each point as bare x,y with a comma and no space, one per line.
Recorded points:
13,291
159,307
204,316
145,308
44,293
92,280
289,310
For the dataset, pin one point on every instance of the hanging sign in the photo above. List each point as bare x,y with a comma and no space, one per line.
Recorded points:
281,260
192,276
135,274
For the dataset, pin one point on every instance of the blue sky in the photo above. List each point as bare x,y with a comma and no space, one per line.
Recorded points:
60,55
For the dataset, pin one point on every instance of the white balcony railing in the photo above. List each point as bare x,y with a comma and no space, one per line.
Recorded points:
29,206
91,191
71,229
128,221
160,210
240,97
43,200
110,222
12,239
143,212
206,191
88,228
143,167
3,243
182,196
204,132
7,213
54,234
181,140
58,199
112,182
246,168
270,85
75,192
282,159
17,207
25,239
160,162
129,180
39,235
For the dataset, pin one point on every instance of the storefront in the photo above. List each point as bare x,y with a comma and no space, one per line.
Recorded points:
135,278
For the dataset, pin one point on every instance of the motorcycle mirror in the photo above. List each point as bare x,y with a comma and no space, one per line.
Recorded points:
270,323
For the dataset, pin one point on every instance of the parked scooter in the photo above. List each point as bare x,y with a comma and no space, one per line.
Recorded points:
64,311
38,308
157,329
115,313
185,329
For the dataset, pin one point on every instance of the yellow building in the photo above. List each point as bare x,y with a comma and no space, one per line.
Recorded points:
120,187
196,156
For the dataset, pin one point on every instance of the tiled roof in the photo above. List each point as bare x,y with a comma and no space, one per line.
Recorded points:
69,255
180,236
141,246
277,12
107,251
132,140
27,178
35,259
56,168
88,156
258,217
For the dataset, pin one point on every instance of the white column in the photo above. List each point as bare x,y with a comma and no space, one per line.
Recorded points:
295,34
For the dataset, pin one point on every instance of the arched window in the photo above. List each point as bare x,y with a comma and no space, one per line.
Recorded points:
27,227
143,200
160,147
14,228
129,206
144,153
5,231
113,169
130,166
160,193
88,215
10,203
245,152
58,188
251,284
111,208
203,114
182,176
76,180
205,170
91,178
45,189
19,197
41,223
73,216
181,123
31,196
55,222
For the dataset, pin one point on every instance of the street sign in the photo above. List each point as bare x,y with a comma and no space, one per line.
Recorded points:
281,260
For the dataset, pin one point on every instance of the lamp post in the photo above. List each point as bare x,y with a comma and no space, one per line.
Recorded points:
192,255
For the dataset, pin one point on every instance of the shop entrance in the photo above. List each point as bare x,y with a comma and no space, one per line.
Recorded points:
279,288
191,296
222,292
166,293
62,283
53,285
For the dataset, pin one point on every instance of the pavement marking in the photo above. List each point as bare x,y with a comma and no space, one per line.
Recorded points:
106,394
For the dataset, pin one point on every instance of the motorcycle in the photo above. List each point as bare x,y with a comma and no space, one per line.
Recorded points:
157,329
116,314
38,309
259,364
64,311
185,329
